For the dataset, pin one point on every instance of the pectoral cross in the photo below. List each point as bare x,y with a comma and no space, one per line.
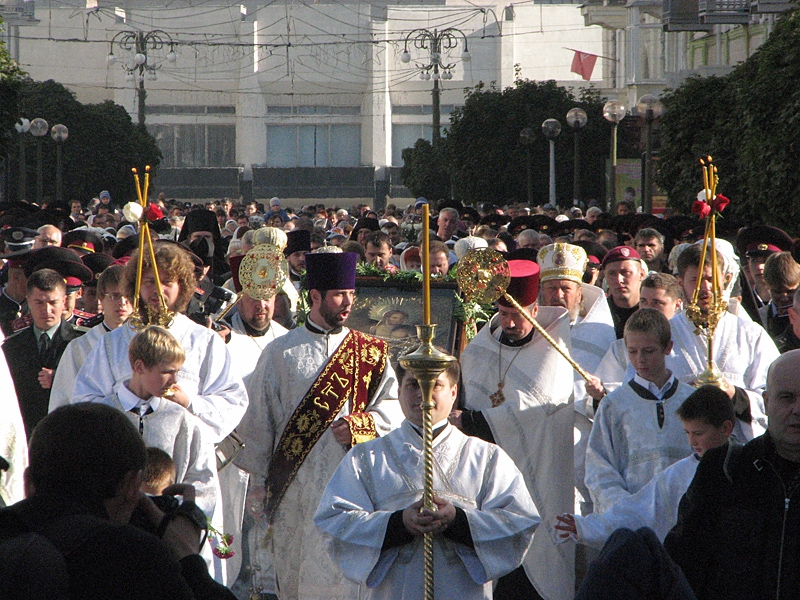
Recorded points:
498,397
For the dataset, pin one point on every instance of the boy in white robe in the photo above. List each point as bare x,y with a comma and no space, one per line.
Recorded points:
636,433
156,358
371,509
707,417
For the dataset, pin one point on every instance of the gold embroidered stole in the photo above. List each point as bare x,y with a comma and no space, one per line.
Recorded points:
353,372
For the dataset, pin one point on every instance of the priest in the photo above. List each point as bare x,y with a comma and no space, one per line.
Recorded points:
518,393
315,392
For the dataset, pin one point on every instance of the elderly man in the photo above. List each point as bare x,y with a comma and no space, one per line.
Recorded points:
623,272
518,394
528,238
49,235
592,330
447,225
315,392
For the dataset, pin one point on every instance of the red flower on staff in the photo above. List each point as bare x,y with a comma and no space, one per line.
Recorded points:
153,213
703,208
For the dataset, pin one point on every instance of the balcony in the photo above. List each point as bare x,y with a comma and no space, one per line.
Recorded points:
724,12
683,15
771,6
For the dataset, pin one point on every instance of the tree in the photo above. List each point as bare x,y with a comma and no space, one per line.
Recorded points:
749,121
11,78
103,145
423,173
487,161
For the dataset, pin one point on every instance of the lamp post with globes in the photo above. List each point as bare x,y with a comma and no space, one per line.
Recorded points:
22,127
650,108
551,129
39,129
577,119
437,44
143,62
59,133
613,112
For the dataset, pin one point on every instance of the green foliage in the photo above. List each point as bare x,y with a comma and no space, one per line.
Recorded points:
103,145
749,121
487,161
11,78
423,173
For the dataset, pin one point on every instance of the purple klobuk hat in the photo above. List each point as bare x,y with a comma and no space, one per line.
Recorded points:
331,271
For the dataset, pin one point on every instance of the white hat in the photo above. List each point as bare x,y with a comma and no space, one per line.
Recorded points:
562,261
270,235
468,243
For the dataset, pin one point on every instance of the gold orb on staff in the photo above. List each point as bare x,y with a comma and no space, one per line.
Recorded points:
426,363
483,276
708,205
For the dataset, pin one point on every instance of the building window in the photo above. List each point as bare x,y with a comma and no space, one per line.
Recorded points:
313,145
195,145
405,136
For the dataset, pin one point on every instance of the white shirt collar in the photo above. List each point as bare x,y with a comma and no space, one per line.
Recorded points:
652,388
131,401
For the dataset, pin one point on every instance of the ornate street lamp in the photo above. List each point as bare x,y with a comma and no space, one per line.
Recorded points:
577,119
551,129
437,44
142,62
22,128
59,133
613,112
650,108
39,129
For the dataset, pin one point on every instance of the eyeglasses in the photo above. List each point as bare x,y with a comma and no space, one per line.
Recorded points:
116,297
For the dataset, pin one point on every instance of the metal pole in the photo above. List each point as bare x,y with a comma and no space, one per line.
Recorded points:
436,105
22,192
576,173
142,94
612,187
59,188
553,172
39,181
647,185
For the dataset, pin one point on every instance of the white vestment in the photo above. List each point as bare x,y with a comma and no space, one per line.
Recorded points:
535,427
627,447
13,441
654,506
591,336
385,475
218,397
176,431
285,372
71,362
245,351
742,351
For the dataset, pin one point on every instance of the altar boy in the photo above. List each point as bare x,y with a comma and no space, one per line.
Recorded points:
372,510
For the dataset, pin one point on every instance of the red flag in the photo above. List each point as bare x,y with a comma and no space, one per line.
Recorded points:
583,64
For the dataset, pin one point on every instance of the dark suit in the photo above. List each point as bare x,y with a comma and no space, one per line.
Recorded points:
24,362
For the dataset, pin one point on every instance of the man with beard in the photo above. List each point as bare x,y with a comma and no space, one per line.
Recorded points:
592,331
742,349
518,394
315,392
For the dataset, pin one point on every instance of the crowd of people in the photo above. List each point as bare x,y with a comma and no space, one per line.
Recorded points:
133,376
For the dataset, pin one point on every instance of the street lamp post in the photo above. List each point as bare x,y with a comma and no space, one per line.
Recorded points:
59,133
22,128
526,139
650,107
551,129
577,119
39,129
613,112
142,63
437,43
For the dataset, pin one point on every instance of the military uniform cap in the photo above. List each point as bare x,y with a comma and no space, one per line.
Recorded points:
82,240
762,240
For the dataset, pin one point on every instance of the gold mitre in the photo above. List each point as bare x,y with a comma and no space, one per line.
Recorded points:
562,261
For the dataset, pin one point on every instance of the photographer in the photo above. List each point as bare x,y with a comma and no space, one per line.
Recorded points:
82,487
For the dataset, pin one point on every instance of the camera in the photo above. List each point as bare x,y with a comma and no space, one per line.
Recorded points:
171,507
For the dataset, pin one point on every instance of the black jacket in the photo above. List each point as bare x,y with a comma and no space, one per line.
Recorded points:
24,362
738,530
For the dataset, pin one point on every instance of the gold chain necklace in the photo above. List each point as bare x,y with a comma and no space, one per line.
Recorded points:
498,397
